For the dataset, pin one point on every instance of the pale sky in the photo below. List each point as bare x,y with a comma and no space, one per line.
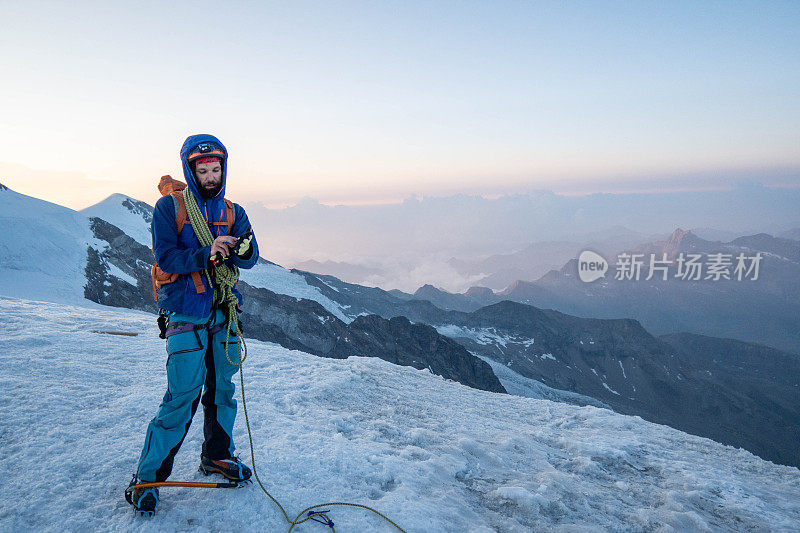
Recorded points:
362,102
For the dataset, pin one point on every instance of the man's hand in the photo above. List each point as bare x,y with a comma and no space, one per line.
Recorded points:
221,246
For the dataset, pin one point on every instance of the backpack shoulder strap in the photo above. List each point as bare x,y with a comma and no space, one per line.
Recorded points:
181,218
230,215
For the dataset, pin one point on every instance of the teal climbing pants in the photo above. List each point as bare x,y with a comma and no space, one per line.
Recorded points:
197,372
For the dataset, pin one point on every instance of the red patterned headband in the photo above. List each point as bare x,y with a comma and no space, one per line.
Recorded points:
208,160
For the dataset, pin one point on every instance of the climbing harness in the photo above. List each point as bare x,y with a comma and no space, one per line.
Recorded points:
226,278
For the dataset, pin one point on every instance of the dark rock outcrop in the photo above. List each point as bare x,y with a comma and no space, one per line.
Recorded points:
306,325
130,257
402,342
740,393
137,207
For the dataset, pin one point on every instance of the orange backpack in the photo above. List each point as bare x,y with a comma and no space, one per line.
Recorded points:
173,187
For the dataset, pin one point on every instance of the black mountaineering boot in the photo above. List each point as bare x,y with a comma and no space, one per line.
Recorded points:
231,468
144,500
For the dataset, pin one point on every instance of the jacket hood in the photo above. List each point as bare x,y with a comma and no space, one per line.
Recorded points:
189,145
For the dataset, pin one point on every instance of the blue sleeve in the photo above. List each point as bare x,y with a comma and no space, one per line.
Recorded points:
240,226
169,257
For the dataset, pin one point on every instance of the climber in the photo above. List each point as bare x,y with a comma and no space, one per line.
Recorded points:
196,321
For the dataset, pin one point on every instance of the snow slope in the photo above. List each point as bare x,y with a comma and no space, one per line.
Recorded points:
112,210
281,281
43,249
431,454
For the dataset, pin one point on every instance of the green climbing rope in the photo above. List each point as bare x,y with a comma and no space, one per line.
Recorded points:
226,277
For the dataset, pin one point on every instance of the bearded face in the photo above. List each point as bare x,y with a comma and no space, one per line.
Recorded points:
209,178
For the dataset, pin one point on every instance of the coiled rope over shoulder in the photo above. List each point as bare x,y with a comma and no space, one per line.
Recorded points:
226,277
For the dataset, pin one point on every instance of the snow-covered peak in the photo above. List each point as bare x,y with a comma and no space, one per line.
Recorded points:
129,214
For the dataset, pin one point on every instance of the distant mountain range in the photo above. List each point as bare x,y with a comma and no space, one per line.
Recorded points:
767,310
738,393
461,224
538,258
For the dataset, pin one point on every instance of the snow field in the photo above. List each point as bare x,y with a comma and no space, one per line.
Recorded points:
431,454
282,281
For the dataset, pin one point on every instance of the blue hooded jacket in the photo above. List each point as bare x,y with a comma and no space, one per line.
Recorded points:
182,254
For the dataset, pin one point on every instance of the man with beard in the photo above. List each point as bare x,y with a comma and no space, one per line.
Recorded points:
199,369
